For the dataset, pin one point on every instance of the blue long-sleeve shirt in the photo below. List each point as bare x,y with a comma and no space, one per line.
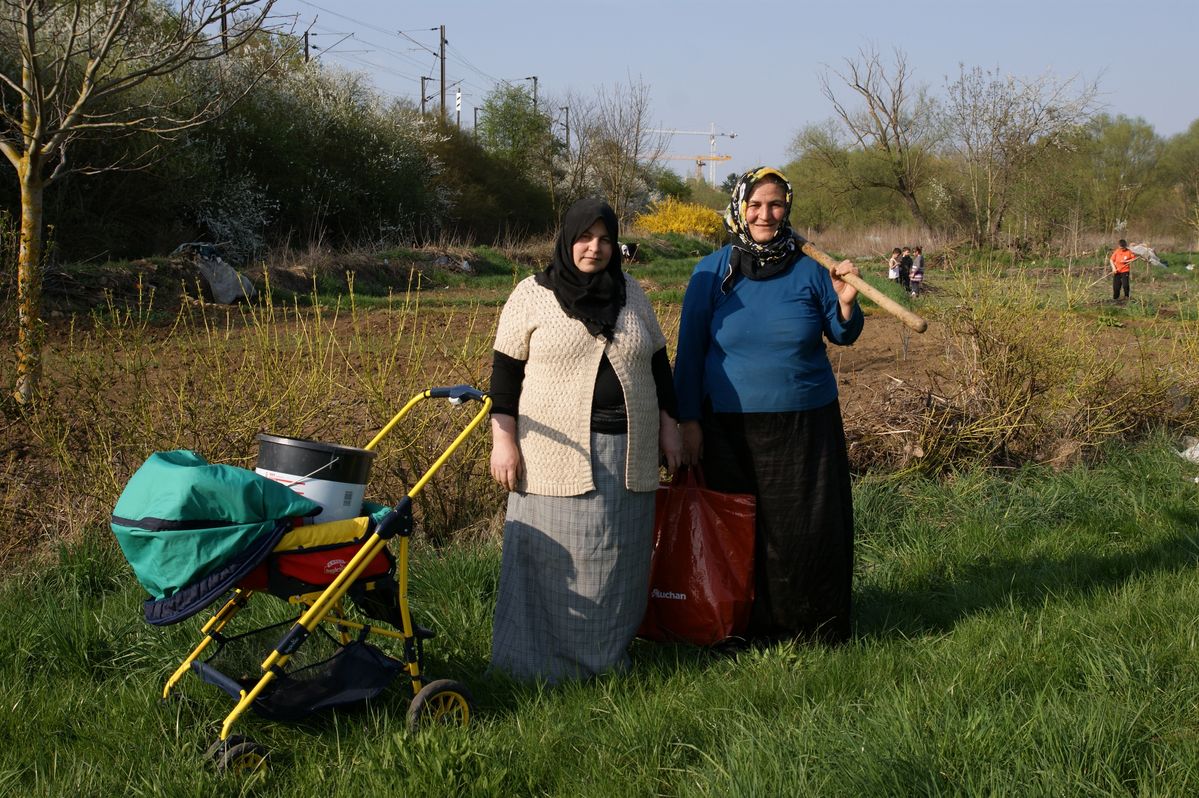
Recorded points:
760,347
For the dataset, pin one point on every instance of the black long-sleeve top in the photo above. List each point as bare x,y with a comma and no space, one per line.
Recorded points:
608,413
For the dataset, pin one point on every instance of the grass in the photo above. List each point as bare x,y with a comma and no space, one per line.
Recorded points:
1029,635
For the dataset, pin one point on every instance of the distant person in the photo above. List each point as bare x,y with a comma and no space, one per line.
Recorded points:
917,276
893,266
905,270
1121,261
584,404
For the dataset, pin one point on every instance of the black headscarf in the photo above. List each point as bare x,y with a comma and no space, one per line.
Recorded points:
594,299
758,261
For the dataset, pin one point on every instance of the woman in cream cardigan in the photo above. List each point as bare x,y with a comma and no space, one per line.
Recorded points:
583,405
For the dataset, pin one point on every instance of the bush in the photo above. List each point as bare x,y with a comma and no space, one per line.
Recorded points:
1027,383
489,198
682,218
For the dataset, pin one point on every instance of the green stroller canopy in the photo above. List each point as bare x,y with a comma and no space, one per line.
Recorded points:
181,518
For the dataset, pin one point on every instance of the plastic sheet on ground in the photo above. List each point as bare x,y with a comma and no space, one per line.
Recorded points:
1146,252
1190,450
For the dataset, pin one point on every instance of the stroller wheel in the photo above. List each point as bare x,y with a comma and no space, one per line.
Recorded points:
443,702
237,755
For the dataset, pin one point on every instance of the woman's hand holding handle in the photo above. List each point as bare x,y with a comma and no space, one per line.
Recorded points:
670,442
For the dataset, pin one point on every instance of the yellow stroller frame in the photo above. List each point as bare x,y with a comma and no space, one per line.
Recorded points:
441,701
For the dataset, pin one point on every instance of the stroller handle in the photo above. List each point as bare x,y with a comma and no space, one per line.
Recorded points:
457,394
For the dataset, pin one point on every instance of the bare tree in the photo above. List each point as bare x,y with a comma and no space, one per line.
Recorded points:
81,68
896,127
570,169
621,145
1002,126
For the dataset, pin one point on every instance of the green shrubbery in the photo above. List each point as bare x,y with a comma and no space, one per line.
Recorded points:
311,155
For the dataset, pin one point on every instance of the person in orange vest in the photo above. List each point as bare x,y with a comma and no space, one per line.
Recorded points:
1121,260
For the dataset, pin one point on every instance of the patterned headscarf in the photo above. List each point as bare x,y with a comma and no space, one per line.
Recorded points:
758,261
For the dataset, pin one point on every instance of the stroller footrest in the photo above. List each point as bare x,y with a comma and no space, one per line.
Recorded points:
211,675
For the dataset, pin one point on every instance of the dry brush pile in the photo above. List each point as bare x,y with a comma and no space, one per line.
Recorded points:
1021,382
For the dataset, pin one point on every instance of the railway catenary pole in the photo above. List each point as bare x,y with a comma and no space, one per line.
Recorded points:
443,44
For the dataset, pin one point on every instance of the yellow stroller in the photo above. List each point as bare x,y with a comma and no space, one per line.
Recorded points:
196,533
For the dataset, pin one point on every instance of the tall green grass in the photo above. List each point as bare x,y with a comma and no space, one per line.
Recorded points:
1032,634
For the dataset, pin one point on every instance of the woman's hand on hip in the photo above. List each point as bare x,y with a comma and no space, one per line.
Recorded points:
693,442
507,466
670,442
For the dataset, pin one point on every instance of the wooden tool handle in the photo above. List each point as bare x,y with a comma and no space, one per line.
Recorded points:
878,297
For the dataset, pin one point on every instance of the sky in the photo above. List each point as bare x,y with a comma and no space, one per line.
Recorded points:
753,68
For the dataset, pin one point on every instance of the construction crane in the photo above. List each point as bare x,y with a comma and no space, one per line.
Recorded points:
699,160
712,136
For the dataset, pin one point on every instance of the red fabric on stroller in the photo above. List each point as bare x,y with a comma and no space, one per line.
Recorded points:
313,556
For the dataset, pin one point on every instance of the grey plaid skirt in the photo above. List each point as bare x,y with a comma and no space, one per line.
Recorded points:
574,577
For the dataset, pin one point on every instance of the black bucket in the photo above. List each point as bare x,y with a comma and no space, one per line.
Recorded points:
332,476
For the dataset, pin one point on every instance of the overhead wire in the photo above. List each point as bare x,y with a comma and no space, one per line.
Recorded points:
452,53
348,55
343,55
388,50
457,54
369,25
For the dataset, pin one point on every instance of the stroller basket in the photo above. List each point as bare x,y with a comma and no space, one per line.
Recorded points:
325,675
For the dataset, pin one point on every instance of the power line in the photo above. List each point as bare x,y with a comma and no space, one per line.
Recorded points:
397,34
364,62
408,59
369,25
418,44
388,50
471,66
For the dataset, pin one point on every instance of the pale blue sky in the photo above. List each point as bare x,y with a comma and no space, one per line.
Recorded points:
752,67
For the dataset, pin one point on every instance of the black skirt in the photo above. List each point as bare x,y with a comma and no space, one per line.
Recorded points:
797,466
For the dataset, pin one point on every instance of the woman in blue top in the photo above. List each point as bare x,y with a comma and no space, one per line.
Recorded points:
758,407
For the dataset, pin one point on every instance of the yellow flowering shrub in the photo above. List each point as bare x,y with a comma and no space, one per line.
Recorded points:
685,218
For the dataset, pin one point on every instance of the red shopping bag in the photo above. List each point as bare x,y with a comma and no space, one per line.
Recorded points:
701,580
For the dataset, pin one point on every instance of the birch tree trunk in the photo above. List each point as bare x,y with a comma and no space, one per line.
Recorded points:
30,329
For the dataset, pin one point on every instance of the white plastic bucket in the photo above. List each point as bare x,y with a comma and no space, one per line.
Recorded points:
332,476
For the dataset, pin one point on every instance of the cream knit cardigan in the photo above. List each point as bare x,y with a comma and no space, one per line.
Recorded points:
553,424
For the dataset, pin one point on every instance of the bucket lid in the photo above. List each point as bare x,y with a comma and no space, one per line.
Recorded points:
302,458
